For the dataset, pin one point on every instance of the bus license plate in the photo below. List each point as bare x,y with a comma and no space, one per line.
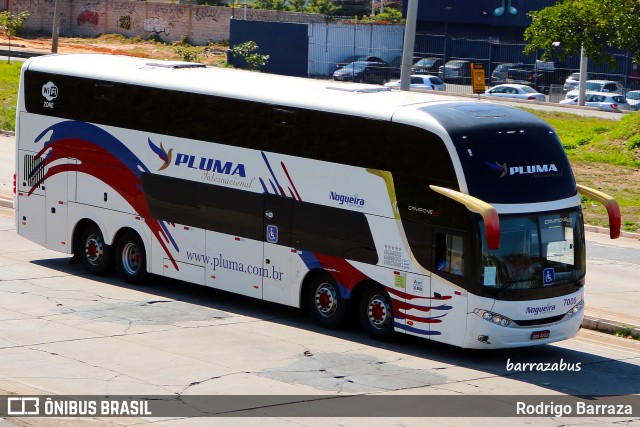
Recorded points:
539,335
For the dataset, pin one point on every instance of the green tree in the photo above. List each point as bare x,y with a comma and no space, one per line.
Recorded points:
10,24
594,24
298,5
254,60
323,7
270,4
389,16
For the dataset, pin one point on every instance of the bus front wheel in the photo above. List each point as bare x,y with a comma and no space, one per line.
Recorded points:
326,306
376,313
131,258
95,254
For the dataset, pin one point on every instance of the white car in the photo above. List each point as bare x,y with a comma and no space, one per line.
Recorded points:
604,101
633,98
597,86
424,82
515,91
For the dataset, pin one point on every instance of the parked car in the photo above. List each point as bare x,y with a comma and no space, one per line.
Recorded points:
426,82
364,72
499,74
597,86
604,101
540,76
427,66
359,58
573,81
633,98
456,70
515,91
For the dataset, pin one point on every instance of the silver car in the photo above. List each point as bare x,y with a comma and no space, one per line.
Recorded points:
515,91
424,82
597,86
633,98
604,101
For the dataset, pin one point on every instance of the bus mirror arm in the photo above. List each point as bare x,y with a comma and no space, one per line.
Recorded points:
615,219
488,213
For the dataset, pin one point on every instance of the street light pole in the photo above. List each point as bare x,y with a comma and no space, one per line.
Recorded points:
409,43
446,33
55,32
582,86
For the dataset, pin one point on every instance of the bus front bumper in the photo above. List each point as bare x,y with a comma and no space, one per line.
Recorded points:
486,335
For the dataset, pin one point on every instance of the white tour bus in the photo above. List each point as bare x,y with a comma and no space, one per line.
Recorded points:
450,219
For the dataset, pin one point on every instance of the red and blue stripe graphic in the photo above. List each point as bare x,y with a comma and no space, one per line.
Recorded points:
104,157
275,184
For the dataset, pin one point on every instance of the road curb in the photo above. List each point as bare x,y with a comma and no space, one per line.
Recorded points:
603,230
6,202
610,327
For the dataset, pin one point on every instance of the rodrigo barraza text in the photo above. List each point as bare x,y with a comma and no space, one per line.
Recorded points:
577,408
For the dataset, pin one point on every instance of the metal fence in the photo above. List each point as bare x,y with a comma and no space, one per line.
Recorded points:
330,44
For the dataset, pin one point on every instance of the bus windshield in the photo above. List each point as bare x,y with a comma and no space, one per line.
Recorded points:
536,251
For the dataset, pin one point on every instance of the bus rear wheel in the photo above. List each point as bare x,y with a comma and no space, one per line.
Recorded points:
325,304
131,258
95,254
376,313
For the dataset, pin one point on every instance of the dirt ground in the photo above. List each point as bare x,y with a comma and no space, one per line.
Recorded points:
622,182
117,45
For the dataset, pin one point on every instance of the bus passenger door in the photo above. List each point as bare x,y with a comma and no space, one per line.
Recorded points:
448,291
59,189
280,260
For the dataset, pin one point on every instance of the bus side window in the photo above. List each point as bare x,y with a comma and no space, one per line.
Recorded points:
449,253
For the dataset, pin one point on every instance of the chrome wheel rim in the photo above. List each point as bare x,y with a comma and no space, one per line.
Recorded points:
326,300
131,258
94,249
379,311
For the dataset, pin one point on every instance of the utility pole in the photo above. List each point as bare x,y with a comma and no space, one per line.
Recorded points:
56,27
409,43
582,87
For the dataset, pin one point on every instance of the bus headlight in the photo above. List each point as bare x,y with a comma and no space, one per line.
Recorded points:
492,317
576,308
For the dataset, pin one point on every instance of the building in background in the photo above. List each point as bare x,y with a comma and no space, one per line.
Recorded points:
502,20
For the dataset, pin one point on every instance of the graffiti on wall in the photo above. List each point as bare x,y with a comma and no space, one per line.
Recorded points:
157,26
123,7
90,14
88,17
169,12
124,22
34,6
128,14
208,14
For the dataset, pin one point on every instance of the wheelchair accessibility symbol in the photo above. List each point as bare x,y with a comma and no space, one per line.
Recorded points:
272,234
548,276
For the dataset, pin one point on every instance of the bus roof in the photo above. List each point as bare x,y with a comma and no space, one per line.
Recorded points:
358,99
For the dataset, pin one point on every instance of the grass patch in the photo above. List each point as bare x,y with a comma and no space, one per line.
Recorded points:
9,78
628,333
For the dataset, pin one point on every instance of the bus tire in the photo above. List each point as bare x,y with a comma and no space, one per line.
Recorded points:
131,258
325,304
376,313
95,254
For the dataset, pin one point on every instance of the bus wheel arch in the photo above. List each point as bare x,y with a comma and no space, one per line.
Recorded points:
131,256
322,299
375,310
90,246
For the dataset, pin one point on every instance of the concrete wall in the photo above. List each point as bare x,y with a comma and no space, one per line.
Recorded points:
170,22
